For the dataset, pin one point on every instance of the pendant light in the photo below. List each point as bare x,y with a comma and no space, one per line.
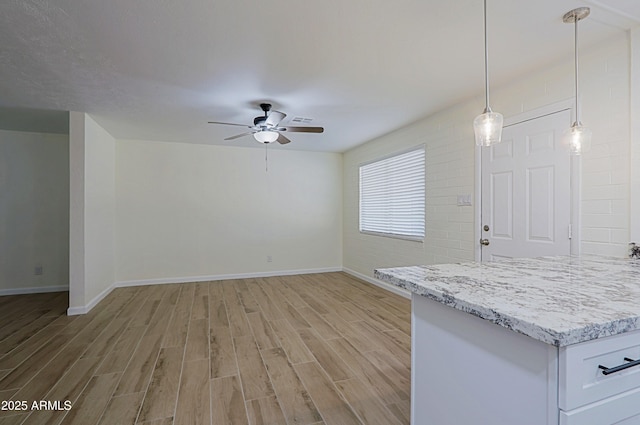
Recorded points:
577,136
488,125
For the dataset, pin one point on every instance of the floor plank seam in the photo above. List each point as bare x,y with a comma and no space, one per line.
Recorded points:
184,353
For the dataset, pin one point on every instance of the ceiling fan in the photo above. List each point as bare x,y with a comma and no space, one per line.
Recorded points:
266,129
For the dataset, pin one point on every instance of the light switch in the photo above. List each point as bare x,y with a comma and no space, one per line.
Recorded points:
464,200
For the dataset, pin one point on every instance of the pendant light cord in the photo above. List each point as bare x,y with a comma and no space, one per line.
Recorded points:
486,60
575,49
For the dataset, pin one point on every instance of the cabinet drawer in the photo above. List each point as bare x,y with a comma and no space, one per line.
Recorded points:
581,381
621,409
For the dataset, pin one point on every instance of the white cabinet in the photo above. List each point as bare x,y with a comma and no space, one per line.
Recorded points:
622,409
588,396
466,370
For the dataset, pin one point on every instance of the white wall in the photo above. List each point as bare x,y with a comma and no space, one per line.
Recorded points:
448,135
189,211
34,211
100,209
76,212
92,213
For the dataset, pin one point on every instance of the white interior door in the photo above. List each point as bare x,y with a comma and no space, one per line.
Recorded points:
526,191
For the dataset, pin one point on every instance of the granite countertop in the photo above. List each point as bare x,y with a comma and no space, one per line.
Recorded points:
556,300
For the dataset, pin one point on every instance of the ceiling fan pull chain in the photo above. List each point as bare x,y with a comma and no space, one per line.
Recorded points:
266,157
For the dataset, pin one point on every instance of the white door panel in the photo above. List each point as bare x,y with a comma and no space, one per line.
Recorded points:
526,191
502,205
540,205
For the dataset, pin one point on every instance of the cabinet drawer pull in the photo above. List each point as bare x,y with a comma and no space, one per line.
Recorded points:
609,370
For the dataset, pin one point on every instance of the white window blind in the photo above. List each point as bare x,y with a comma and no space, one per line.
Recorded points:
392,195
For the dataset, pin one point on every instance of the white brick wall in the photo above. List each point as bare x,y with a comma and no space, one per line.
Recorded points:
448,136
635,137
605,211
449,172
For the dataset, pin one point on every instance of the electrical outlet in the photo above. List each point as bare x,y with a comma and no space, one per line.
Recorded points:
269,259
38,271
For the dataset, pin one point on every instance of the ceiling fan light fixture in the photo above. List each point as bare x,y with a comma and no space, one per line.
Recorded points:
267,129
266,136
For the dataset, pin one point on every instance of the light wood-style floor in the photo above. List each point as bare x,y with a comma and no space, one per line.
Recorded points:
308,349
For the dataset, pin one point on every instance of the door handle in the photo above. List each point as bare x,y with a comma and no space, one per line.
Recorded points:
484,242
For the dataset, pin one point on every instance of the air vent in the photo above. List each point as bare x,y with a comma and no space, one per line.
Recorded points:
301,120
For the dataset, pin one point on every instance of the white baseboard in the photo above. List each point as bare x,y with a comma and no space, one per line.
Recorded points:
74,311
33,290
377,282
167,280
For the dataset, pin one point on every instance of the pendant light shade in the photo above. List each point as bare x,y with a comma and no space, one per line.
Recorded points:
578,137
266,136
488,125
488,128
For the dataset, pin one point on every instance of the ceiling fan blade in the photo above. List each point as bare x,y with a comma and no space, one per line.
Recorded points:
229,123
274,118
237,136
282,139
304,129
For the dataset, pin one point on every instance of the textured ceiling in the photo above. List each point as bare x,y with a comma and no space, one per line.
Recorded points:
160,69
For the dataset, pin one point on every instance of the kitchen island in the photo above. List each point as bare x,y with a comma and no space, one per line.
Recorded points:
524,341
